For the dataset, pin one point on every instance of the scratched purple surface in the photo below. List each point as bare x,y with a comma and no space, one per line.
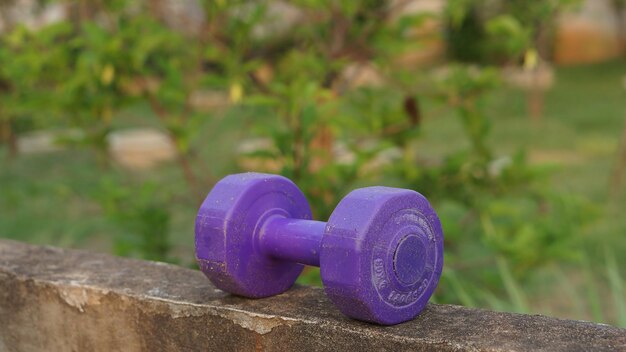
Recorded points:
380,254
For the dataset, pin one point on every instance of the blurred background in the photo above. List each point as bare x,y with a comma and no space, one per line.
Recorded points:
117,117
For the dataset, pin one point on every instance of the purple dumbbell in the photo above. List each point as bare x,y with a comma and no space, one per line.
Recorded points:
380,253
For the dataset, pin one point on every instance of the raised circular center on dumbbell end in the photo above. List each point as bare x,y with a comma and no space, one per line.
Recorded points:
408,259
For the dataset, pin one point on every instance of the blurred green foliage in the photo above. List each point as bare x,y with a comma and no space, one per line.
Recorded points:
502,31
143,217
326,132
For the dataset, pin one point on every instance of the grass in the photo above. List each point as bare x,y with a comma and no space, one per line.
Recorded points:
577,138
50,198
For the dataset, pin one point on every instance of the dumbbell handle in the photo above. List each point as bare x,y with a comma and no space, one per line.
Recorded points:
294,240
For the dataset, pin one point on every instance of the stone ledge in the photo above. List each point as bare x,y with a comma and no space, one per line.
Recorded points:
58,299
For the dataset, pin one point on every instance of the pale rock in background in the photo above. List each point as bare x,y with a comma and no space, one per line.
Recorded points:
140,148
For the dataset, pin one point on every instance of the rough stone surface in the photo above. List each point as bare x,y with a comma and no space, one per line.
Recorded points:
66,300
